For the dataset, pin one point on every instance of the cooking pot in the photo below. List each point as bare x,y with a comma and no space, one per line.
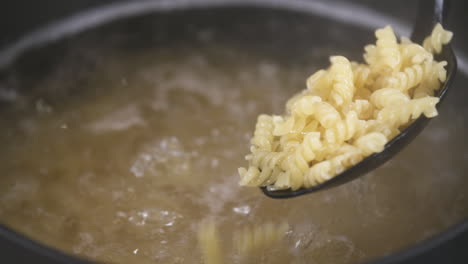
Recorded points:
30,34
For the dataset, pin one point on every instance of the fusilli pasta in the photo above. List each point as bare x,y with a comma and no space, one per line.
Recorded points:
437,39
246,242
209,243
259,237
348,111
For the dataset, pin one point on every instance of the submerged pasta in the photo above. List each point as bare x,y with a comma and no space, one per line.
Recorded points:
246,242
209,243
261,237
347,112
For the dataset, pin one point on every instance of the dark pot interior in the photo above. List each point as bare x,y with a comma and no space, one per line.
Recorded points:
421,193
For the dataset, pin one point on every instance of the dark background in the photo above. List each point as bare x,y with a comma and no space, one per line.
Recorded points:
45,11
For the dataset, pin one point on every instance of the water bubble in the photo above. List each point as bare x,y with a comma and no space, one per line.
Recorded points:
42,107
244,209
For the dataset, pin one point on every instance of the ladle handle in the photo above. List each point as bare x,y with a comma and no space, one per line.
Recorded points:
430,13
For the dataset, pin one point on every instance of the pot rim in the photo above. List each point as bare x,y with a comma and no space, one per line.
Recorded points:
105,14
405,254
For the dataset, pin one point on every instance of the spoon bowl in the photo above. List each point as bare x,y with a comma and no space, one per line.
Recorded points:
430,13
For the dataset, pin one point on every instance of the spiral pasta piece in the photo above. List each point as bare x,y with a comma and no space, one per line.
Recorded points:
324,112
387,47
437,39
347,112
247,241
371,143
342,81
256,238
290,125
311,127
387,130
397,115
318,173
290,142
387,97
263,166
263,135
408,78
298,162
318,83
363,108
283,181
385,55
343,130
412,53
361,75
209,243
436,74
325,170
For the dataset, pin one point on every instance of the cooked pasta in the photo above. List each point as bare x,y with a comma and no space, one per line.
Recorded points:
400,114
342,76
362,107
263,135
409,78
387,97
361,76
385,55
209,243
413,53
246,242
343,130
249,240
439,37
348,111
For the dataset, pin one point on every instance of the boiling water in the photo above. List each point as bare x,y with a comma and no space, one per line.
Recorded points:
121,160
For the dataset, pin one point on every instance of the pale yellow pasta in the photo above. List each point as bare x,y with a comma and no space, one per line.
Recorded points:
324,112
325,170
253,239
246,242
282,181
318,173
311,126
264,165
345,160
343,130
400,114
263,135
388,97
283,126
385,55
409,78
209,243
348,111
342,81
363,93
388,130
292,100
414,54
361,75
438,37
317,84
435,73
362,107
297,163
290,141
371,143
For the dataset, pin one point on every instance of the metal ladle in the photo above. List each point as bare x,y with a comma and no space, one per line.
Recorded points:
430,13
